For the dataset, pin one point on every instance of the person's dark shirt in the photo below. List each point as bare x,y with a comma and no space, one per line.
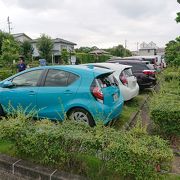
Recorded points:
21,67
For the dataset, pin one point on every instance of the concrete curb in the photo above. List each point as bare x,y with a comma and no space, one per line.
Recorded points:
31,171
133,119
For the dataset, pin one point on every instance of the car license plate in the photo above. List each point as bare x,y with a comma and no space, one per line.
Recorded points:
115,96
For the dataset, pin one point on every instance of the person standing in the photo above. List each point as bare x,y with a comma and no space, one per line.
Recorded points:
21,66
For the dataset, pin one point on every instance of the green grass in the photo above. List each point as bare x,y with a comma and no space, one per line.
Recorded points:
7,147
172,177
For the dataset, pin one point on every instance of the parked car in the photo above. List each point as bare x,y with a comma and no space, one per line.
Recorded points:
151,59
127,81
141,69
82,93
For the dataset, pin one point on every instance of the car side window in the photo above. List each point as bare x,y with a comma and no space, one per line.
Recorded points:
72,78
28,78
59,78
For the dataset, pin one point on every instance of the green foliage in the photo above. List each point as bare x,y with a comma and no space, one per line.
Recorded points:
65,56
7,147
178,17
119,51
5,74
9,49
178,14
172,52
165,105
172,76
83,58
26,50
3,36
86,49
93,152
45,46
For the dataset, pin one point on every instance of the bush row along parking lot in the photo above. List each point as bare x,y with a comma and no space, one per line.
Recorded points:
165,105
88,151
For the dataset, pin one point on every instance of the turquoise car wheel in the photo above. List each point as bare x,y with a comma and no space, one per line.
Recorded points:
79,114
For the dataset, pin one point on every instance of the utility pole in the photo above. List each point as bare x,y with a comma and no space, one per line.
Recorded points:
125,46
137,48
9,25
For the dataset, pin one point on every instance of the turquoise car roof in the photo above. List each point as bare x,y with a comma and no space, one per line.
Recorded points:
83,69
78,69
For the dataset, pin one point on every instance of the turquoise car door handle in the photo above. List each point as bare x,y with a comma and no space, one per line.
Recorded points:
31,93
68,92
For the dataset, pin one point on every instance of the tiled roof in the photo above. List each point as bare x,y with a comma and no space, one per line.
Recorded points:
99,51
20,34
57,40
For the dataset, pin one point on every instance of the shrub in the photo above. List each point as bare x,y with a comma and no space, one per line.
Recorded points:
75,146
166,114
172,76
170,73
5,74
165,105
84,58
13,127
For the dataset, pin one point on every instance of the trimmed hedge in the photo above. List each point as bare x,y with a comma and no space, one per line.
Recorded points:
165,105
83,58
166,114
94,152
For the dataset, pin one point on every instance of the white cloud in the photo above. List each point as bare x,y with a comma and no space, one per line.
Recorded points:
103,23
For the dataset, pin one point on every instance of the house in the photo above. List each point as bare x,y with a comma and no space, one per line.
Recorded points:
59,44
21,37
98,52
148,49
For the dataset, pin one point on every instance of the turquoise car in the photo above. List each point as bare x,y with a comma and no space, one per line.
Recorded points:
81,93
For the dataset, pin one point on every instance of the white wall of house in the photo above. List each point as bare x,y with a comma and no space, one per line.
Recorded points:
35,50
57,48
147,52
22,38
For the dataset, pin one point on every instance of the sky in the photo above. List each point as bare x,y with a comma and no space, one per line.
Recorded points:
101,23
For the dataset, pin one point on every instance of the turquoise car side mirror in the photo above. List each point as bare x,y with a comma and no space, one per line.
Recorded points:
7,84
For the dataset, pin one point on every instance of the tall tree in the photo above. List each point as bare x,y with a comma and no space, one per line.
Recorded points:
119,51
172,52
45,46
3,36
10,50
26,50
178,14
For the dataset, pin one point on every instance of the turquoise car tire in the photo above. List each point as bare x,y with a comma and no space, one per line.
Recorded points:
80,114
